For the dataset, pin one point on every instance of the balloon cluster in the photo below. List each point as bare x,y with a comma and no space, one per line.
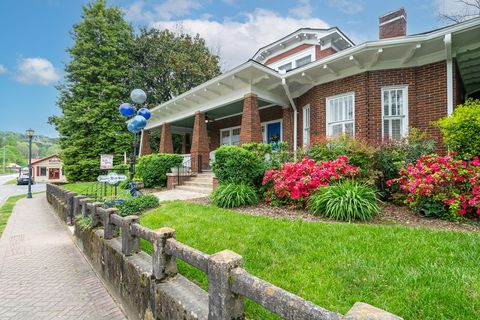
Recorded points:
138,122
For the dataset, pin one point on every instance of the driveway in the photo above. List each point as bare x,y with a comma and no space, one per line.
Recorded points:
12,189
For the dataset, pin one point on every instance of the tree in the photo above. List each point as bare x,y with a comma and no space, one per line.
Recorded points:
166,64
461,10
95,84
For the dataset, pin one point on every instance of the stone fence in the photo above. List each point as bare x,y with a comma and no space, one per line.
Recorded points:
149,287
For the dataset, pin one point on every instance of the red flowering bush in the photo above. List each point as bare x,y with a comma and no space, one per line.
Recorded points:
293,184
442,186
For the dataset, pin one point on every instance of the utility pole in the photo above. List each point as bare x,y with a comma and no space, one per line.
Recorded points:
4,151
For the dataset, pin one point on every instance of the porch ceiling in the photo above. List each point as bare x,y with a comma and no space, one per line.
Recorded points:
234,108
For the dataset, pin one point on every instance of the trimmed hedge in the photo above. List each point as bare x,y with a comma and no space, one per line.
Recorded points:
152,169
137,205
237,165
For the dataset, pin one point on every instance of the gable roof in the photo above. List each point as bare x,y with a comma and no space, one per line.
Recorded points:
35,161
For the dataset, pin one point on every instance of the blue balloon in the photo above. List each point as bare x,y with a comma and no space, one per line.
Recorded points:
132,127
144,112
140,122
126,109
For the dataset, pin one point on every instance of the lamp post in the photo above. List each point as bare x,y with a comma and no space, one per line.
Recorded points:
30,133
135,125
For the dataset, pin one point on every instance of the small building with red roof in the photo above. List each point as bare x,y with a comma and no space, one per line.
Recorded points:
48,169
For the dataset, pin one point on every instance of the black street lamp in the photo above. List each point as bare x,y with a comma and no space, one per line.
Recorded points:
30,133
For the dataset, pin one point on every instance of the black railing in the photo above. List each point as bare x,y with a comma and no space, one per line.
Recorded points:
184,170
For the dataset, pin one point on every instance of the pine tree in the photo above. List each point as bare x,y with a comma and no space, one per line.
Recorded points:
96,83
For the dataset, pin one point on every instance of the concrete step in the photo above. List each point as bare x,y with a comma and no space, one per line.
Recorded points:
195,183
202,190
201,180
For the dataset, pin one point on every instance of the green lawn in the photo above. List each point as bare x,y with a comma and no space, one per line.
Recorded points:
416,273
6,211
81,187
9,182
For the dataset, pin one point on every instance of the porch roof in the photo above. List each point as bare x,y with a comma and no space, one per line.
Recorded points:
224,94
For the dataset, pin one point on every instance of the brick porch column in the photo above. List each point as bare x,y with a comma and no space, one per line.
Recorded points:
199,143
166,143
145,147
251,130
288,127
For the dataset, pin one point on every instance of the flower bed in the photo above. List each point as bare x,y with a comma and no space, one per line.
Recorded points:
294,182
442,186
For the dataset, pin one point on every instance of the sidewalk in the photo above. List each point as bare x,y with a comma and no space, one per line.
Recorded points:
42,273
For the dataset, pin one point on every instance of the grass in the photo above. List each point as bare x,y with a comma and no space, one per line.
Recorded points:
9,182
80,187
416,273
6,210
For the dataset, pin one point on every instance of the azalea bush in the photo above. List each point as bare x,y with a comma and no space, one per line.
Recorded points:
442,186
294,182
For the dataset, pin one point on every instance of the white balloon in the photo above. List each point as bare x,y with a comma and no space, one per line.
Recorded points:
138,96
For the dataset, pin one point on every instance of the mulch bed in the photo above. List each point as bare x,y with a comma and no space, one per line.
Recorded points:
390,215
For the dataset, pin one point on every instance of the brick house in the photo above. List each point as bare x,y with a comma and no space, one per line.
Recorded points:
315,83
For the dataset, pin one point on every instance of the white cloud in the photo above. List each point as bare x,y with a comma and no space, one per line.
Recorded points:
239,40
303,10
36,71
2,69
165,11
347,6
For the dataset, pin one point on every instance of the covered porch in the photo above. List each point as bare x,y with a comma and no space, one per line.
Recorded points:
247,104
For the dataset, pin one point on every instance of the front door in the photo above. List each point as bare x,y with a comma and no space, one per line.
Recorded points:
273,133
53,174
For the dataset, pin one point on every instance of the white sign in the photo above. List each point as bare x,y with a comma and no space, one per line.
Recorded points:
112,178
106,161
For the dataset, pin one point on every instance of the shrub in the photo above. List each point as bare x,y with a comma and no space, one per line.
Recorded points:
293,184
152,169
137,205
359,153
442,186
84,223
232,195
393,155
237,165
346,201
462,129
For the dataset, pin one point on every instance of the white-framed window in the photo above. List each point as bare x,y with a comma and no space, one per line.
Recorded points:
286,66
303,61
295,60
394,112
230,136
341,115
306,125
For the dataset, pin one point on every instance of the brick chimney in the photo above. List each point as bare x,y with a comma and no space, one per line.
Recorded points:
393,24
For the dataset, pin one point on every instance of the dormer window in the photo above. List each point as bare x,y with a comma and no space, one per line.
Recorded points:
286,67
303,61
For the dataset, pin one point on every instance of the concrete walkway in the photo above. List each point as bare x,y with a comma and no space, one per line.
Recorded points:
42,273
176,194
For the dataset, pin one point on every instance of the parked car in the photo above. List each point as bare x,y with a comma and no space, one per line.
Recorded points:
23,179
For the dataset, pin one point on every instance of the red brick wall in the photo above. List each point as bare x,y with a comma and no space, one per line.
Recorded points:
145,148
427,101
199,143
166,143
319,53
288,53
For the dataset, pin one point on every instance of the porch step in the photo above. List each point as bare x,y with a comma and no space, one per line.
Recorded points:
198,183
203,190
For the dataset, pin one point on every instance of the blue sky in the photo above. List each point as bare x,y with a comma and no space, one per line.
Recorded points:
35,34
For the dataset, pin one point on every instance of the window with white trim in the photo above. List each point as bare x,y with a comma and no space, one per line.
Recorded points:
303,61
394,112
230,136
286,66
306,125
341,115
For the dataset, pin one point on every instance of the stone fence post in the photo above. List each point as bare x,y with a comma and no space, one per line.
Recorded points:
163,265
70,207
110,230
223,304
130,242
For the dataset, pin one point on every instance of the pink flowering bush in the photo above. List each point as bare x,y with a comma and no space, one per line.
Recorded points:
442,186
294,182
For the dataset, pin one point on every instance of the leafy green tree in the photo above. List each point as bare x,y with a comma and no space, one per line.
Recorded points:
166,64
462,129
95,84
